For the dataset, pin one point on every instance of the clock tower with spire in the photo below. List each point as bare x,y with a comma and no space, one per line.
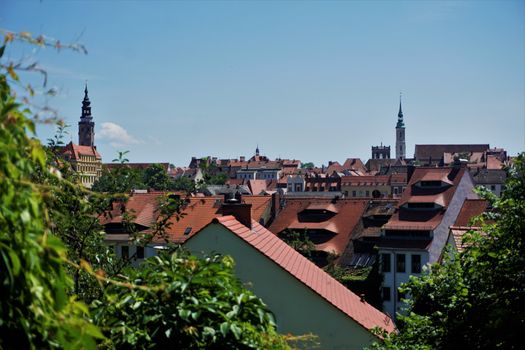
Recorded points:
86,125
400,134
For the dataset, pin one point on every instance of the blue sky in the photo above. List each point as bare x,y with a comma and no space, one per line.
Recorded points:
315,81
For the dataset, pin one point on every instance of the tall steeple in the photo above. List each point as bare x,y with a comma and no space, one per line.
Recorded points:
86,126
400,122
400,133
257,150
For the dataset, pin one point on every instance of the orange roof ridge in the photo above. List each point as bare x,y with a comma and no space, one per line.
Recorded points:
308,273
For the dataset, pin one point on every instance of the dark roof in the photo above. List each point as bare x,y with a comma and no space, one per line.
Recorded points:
489,176
436,151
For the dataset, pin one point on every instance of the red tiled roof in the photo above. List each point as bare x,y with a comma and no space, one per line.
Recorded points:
354,164
309,274
257,186
494,163
433,175
323,206
398,178
196,214
442,198
75,151
457,233
470,209
348,213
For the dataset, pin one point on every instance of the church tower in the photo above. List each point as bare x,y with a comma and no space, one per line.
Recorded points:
86,125
400,134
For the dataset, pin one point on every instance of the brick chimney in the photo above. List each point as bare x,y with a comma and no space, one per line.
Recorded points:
233,205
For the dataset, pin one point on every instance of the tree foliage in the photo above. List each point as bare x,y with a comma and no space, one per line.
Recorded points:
35,310
476,299
179,301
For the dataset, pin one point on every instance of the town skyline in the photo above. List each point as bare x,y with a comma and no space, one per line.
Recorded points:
312,82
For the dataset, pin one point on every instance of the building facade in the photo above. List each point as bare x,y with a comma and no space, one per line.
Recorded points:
417,233
84,157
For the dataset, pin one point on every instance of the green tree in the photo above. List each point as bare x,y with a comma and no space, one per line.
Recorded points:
475,299
184,184
122,179
157,178
308,165
178,301
35,311
299,241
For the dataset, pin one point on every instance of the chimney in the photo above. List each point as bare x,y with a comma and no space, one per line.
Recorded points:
410,172
242,158
233,205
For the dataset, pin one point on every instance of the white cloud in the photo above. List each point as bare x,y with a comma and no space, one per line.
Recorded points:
116,135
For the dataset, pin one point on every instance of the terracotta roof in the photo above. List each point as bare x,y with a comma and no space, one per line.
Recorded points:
348,213
196,214
436,176
323,206
457,234
407,220
470,209
309,274
398,178
75,151
494,163
257,186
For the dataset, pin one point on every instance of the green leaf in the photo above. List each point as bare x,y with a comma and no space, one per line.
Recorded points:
225,327
15,261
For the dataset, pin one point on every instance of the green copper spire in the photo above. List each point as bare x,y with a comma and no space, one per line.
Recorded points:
400,122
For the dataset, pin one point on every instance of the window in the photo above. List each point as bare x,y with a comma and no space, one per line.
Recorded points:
385,261
140,252
416,263
386,293
400,262
395,190
493,188
367,194
124,252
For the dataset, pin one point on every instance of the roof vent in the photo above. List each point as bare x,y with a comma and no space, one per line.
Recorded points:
187,231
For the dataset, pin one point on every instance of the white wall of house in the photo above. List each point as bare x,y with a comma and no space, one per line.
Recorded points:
297,309
393,278
463,191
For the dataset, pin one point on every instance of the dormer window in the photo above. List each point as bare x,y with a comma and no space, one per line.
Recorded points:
421,205
430,183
